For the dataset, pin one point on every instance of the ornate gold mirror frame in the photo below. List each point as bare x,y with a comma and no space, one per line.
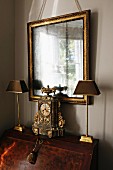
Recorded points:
58,54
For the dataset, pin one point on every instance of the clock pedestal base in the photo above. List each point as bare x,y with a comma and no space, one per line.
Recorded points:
54,132
57,132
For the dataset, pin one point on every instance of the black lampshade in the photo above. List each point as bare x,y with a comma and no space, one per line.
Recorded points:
17,86
87,87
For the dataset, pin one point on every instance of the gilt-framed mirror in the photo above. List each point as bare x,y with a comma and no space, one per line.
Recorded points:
58,54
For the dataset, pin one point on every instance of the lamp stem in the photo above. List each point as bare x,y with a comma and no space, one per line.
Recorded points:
87,115
18,109
86,138
18,127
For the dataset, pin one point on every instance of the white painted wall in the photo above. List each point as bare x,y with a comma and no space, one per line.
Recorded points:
6,63
101,113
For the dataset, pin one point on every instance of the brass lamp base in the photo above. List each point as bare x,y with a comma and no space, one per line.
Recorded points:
18,128
88,139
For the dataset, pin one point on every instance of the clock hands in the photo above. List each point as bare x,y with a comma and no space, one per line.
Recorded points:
45,109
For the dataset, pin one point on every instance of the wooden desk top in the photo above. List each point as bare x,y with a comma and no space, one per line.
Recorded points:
59,153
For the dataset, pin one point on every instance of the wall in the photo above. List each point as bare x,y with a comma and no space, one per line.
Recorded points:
100,114
6,63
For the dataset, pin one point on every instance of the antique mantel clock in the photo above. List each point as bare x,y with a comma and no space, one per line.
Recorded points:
48,120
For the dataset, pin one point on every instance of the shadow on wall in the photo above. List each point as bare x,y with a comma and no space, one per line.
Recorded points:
69,114
105,148
93,43
105,155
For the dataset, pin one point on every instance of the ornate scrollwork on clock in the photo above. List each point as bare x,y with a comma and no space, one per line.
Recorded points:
48,120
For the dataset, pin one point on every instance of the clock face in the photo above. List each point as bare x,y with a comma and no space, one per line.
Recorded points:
45,109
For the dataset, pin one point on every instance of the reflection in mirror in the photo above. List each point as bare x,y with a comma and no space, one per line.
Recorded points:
58,54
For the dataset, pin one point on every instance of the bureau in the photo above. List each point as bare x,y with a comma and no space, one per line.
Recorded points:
60,153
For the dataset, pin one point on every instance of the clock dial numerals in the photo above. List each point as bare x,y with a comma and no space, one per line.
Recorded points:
45,109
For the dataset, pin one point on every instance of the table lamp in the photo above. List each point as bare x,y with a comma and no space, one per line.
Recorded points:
88,88
17,86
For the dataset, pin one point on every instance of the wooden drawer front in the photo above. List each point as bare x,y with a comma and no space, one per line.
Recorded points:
60,159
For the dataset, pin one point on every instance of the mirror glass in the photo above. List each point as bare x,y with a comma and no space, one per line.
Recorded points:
59,55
